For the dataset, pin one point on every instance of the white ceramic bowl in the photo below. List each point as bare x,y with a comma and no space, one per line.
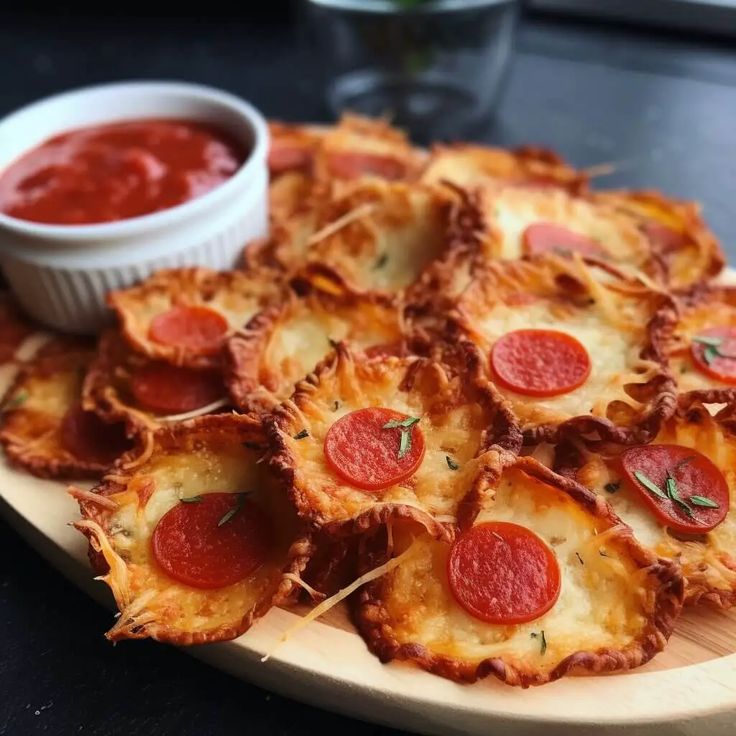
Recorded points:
61,273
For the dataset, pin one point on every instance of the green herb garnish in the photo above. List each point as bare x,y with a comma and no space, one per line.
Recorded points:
190,499
612,487
333,343
712,348
18,400
336,405
451,463
703,501
405,426
301,435
649,485
675,497
381,261
252,446
543,638
239,501
580,559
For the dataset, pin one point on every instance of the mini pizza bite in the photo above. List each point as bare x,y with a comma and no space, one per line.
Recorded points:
545,582
471,166
123,385
376,236
192,535
684,250
363,147
572,353
676,494
364,441
292,147
184,316
701,351
43,426
284,343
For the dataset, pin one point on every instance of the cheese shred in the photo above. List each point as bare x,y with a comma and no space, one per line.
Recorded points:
331,602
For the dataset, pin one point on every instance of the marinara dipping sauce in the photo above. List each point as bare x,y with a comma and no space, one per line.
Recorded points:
118,171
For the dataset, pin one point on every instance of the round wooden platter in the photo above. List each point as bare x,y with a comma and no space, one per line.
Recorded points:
690,688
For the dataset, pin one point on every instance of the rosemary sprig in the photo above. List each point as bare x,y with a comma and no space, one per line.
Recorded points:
451,463
228,515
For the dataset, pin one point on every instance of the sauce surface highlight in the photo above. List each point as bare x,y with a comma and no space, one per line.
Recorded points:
117,171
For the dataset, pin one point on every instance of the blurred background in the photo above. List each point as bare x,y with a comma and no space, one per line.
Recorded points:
642,90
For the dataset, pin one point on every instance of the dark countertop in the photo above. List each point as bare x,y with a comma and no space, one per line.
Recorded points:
662,105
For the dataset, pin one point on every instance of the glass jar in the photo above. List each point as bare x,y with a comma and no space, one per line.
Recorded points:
434,68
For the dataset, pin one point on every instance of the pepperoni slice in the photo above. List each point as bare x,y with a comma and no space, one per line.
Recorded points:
88,438
352,164
365,454
168,389
196,328
695,500
714,353
540,362
547,237
287,156
212,542
503,573
663,238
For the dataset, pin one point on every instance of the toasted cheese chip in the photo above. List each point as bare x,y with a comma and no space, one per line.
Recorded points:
231,296
616,607
684,250
471,165
467,434
708,560
284,343
213,454
110,386
702,308
42,426
619,322
364,147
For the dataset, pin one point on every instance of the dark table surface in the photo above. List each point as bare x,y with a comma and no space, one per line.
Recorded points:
662,106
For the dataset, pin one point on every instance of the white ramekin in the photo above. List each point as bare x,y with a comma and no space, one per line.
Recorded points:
61,273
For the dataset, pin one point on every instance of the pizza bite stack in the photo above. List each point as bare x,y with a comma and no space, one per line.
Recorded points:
496,405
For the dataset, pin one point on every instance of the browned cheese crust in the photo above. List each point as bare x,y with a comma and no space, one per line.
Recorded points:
617,606
107,387
468,165
708,561
44,390
694,255
461,418
283,343
620,322
235,295
212,453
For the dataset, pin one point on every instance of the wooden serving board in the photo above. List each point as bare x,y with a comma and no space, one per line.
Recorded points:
690,688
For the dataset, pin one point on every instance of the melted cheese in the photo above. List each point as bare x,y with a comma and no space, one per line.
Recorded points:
151,603
605,601
453,422
709,560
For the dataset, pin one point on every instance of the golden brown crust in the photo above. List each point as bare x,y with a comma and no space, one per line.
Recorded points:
283,343
621,322
152,604
696,257
417,387
662,604
44,390
235,295
107,386
469,165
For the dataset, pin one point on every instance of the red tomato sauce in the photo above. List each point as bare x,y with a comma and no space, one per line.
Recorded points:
118,171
